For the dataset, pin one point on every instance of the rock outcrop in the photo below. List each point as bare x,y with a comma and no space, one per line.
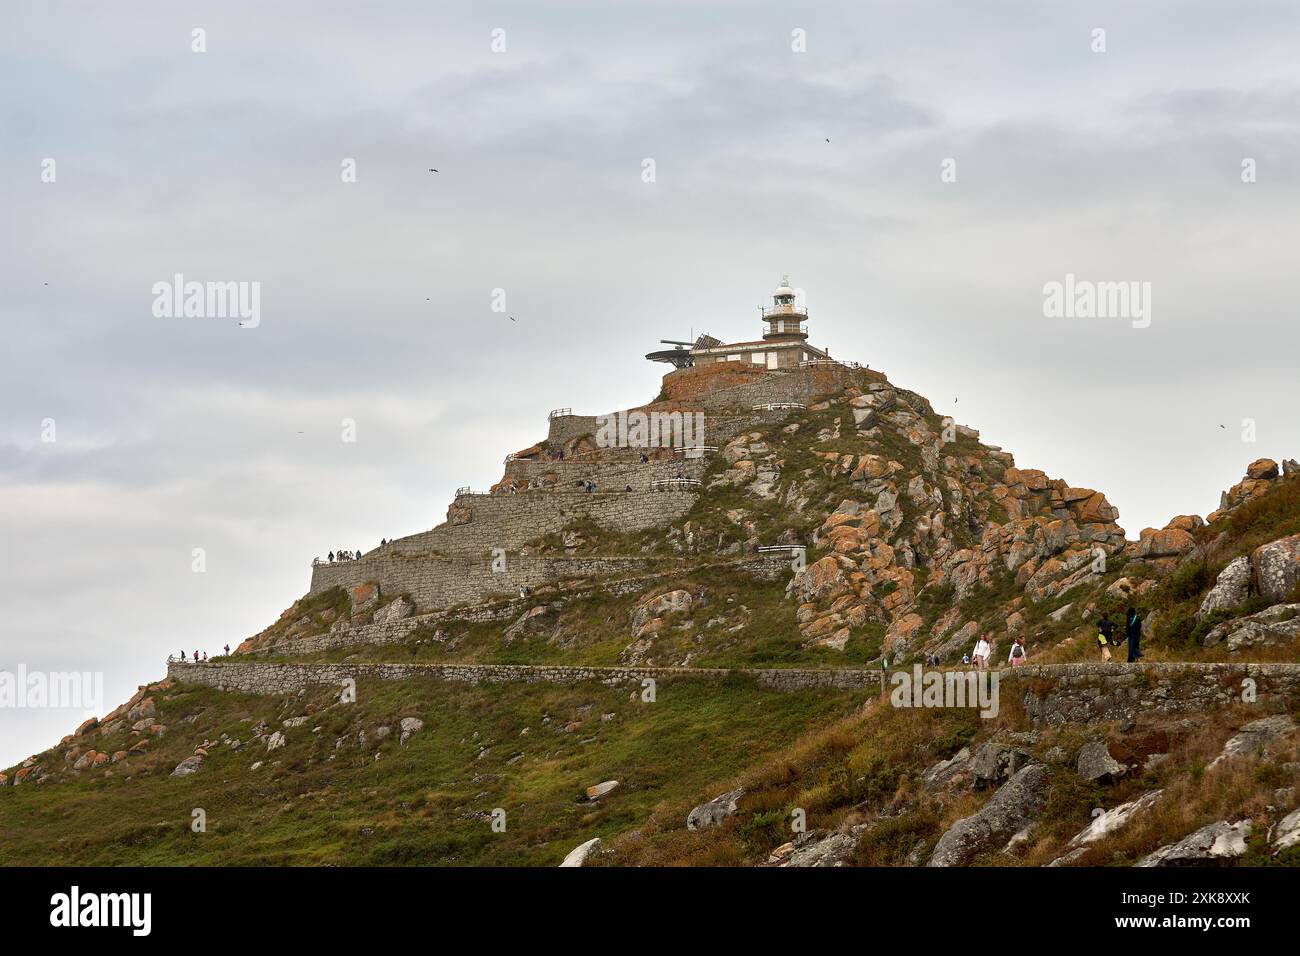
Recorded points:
1208,845
1277,568
1096,764
715,811
1230,589
1017,803
579,855
1255,737
1277,626
1104,824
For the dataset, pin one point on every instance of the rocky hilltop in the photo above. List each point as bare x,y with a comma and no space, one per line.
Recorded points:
819,525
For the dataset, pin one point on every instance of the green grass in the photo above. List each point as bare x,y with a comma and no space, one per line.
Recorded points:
425,803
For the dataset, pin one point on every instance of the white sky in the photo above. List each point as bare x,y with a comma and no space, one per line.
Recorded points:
174,434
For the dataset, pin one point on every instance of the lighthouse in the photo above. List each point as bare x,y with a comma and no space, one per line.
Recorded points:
784,344
785,319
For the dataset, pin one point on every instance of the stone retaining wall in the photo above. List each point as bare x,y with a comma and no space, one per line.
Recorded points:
1051,693
1086,693
289,678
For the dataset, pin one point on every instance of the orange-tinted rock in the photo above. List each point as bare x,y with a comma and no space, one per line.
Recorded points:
870,466
1262,468
1030,478
839,518
823,626
845,539
1160,544
900,633
1095,510
823,578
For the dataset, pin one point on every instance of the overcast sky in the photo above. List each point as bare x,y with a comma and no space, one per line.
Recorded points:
179,433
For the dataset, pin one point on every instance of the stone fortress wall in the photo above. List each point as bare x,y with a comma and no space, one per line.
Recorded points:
451,564
435,581
477,523
720,425
794,385
610,576
609,475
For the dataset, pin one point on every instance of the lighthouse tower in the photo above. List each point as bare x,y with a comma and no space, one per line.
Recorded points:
785,320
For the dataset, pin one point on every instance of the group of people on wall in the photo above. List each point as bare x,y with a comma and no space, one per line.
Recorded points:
1109,636
196,659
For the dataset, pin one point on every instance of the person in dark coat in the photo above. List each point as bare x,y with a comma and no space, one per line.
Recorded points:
1133,631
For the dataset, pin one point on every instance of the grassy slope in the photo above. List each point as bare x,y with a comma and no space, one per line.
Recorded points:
419,804
866,768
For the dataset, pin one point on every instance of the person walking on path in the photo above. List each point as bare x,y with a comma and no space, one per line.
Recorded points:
1105,635
1133,632
1017,655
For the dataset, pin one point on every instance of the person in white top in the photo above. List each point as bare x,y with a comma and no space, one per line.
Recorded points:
983,650
1016,656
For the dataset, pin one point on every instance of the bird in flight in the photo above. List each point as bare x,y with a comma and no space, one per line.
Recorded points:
512,319
432,170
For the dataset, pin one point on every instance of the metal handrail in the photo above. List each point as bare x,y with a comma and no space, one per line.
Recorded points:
778,406
813,363
663,484
559,412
